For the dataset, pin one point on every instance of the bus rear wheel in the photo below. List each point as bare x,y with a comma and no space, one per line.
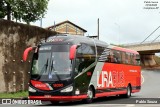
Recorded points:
129,90
128,94
90,95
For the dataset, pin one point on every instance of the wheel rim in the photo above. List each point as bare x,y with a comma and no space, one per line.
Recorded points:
90,94
129,91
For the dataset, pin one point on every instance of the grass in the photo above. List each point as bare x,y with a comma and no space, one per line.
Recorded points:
20,94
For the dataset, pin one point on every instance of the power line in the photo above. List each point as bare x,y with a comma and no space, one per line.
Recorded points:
150,35
155,38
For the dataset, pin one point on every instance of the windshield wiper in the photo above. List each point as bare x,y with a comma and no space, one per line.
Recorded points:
44,68
53,70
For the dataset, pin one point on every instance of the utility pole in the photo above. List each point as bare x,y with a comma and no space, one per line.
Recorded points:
98,29
54,26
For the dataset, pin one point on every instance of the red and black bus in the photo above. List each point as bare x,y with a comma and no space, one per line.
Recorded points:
68,68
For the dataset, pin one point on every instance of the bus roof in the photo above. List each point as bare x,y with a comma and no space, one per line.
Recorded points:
76,39
125,50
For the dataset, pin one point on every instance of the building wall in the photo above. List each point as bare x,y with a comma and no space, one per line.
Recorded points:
14,39
68,28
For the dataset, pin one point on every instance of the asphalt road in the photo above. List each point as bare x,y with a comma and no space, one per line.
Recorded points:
150,89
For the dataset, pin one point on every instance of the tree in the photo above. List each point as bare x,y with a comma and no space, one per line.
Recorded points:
2,9
23,10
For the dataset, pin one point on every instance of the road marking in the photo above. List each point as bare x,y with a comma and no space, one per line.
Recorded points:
130,105
110,105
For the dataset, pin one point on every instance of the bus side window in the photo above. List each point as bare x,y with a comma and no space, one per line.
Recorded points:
131,58
123,58
99,51
103,54
134,59
117,56
111,57
128,58
138,62
85,56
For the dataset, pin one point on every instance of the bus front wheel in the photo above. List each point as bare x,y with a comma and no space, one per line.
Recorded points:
54,102
90,95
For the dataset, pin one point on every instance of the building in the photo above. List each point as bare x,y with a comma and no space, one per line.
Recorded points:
67,27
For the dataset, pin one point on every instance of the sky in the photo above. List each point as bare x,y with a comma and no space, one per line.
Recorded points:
121,21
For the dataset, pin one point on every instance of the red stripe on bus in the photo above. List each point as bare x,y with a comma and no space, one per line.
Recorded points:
58,98
110,93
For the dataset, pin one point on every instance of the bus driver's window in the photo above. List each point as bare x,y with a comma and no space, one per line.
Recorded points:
79,61
85,56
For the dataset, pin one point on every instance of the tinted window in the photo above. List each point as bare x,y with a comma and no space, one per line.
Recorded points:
99,51
138,60
123,57
103,54
132,58
117,56
128,59
85,56
52,63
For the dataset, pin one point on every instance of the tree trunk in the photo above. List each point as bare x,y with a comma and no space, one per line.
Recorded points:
8,11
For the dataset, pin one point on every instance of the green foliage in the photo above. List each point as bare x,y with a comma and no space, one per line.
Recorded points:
20,94
2,9
23,10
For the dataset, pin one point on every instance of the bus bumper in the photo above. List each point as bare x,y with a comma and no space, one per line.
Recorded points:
58,98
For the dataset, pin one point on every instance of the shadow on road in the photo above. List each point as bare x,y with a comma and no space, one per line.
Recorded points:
102,100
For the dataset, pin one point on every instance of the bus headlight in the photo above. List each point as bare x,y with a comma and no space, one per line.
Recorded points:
31,89
68,89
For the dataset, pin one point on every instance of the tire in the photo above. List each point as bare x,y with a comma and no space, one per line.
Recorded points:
90,95
54,102
129,91
128,94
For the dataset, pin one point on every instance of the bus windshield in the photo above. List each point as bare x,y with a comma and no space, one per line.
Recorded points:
51,63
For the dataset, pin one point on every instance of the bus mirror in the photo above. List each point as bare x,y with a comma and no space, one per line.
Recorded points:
25,54
72,52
